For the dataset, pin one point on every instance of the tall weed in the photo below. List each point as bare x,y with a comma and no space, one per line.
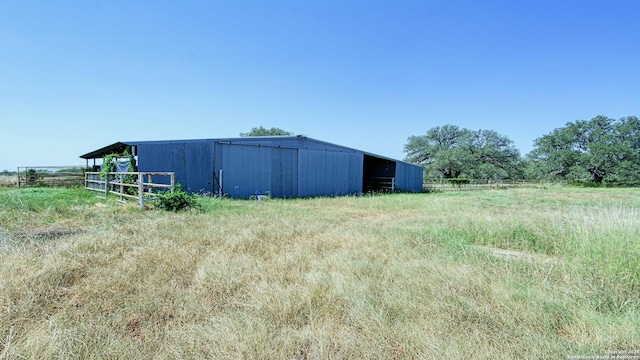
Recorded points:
526,273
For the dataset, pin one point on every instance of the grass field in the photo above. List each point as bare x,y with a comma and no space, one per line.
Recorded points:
521,273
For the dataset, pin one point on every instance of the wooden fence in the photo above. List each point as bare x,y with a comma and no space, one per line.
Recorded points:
130,185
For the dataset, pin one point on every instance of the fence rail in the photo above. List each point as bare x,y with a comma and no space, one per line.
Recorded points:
384,184
50,176
130,185
445,185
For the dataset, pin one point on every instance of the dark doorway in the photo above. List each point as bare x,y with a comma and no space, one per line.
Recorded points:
379,175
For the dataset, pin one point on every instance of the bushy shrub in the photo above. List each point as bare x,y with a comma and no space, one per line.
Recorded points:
177,200
459,181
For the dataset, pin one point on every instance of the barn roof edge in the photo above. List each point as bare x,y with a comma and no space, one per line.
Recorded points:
120,145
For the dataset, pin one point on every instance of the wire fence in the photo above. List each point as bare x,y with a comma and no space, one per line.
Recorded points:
478,184
50,176
8,180
69,176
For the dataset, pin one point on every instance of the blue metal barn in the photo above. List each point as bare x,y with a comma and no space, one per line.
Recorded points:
280,166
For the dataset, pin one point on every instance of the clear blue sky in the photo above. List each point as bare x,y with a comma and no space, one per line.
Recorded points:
79,75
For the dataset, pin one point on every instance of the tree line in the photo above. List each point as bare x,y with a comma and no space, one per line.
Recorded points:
600,150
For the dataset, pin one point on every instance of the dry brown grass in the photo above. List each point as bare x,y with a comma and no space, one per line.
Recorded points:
8,181
390,277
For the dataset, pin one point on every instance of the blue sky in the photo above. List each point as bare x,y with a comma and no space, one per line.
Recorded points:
79,75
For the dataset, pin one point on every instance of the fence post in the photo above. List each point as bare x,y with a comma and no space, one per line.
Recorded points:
150,190
141,190
220,184
121,187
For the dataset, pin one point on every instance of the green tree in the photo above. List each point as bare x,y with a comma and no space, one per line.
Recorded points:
261,131
441,151
600,149
452,152
628,136
494,156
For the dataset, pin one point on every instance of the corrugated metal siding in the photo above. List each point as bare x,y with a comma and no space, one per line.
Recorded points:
251,170
284,172
155,157
246,170
326,173
199,167
179,163
286,167
409,177
192,162
356,161
291,142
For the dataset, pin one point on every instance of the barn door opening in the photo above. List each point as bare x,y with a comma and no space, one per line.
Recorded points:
379,175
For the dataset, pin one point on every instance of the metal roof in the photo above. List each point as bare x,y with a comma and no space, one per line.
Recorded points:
117,148
120,146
